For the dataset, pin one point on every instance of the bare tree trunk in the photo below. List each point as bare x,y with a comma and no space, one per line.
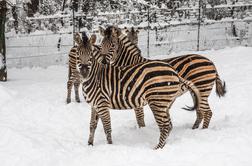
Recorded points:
63,5
3,69
15,17
63,8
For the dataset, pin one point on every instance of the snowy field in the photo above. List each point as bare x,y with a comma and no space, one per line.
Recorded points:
38,128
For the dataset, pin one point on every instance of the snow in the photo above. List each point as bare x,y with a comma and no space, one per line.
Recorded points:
38,128
19,1
5,95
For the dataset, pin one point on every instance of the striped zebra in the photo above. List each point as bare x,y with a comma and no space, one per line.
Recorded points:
195,68
74,78
110,87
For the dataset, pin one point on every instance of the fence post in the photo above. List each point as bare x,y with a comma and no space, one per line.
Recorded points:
73,25
63,5
199,22
74,8
148,31
3,68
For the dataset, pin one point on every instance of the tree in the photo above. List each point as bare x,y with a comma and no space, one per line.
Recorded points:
15,17
63,5
32,7
3,69
49,7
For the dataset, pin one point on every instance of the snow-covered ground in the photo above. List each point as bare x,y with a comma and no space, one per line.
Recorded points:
38,128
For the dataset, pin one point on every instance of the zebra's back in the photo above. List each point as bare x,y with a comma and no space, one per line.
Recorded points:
193,67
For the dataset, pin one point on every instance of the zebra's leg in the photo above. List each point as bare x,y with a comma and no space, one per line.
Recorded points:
163,120
198,119
205,111
204,114
105,117
140,117
199,113
207,115
93,124
69,88
76,89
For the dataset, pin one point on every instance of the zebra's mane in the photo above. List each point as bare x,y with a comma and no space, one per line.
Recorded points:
124,40
133,31
108,32
84,38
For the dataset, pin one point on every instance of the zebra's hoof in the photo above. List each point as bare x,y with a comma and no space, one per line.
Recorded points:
68,101
77,100
195,127
90,143
110,142
159,146
141,125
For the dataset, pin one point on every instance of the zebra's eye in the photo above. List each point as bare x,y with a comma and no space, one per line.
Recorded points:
89,63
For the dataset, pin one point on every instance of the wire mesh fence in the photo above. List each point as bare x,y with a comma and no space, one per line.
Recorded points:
160,34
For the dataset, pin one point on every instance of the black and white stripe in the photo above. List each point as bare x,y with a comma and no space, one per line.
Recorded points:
109,87
74,77
195,68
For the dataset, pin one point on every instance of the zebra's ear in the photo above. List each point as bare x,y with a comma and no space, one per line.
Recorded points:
119,31
102,31
126,30
92,39
116,31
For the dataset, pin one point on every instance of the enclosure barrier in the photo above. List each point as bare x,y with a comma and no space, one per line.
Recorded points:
159,36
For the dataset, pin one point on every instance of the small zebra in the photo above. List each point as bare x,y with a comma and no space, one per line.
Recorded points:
195,68
110,87
74,78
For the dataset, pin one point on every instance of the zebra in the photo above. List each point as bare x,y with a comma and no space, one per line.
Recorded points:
107,87
192,67
74,77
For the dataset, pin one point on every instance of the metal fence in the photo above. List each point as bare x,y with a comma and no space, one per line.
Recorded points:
162,32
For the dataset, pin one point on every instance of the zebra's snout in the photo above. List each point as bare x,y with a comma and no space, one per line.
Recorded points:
84,70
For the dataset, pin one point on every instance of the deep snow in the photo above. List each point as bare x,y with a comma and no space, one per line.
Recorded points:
38,128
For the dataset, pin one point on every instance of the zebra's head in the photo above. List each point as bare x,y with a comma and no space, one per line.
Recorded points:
110,42
85,54
77,39
132,34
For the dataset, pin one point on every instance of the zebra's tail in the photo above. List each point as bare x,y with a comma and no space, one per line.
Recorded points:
220,87
194,92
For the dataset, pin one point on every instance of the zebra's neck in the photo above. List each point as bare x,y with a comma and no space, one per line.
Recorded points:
94,73
91,85
127,53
